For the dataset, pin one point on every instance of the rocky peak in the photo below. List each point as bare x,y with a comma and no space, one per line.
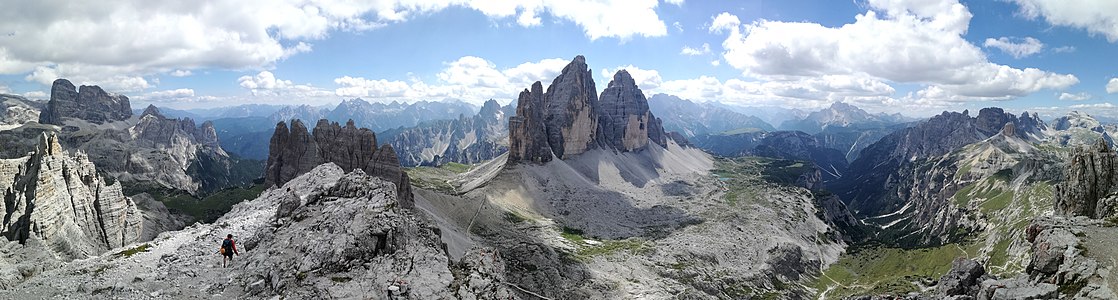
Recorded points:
151,110
1077,119
89,103
624,118
61,200
297,151
571,109
1090,187
156,129
569,119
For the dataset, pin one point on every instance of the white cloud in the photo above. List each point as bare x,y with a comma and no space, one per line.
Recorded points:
122,42
266,84
704,49
180,73
1024,48
1074,97
675,2
36,95
165,96
678,26
645,79
472,79
716,62
1095,105
1095,16
934,52
1064,49
724,21
1112,86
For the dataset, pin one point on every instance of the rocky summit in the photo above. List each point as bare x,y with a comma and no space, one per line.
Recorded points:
61,200
89,103
569,119
295,151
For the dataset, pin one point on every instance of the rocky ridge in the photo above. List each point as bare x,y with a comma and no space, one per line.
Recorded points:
325,234
16,111
887,189
466,140
569,119
295,151
89,103
60,199
697,119
1091,185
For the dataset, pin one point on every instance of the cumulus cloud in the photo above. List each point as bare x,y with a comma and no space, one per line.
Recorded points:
724,21
1018,48
469,78
1074,97
1112,86
1094,16
266,84
128,41
646,79
704,49
934,54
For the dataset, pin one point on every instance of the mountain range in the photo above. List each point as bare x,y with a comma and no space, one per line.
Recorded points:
567,193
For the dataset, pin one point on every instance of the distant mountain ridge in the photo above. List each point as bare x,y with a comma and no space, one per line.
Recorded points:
693,119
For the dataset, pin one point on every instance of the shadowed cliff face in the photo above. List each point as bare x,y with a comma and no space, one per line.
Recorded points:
569,119
297,151
89,103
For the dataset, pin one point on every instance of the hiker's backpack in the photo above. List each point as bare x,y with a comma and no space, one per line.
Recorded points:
226,246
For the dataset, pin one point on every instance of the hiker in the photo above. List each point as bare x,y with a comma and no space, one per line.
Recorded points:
228,248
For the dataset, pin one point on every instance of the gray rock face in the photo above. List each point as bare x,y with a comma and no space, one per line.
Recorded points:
624,115
466,140
569,119
1091,185
571,111
16,111
155,129
961,279
89,103
527,131
295,151
61,200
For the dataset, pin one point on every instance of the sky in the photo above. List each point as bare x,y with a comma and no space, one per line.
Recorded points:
915,57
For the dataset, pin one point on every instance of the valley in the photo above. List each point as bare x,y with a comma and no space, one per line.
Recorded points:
565,193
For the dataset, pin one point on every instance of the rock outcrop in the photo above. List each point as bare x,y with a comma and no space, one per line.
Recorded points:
569,119
1090,187
295,151
16,111
89,103
61,200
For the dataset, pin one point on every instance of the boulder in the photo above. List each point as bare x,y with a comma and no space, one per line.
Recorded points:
961,279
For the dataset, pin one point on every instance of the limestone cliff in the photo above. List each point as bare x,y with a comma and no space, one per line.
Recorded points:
61,200
1090,187
569,119
295,151
89,103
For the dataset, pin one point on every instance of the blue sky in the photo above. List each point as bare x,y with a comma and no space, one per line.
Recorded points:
916,57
